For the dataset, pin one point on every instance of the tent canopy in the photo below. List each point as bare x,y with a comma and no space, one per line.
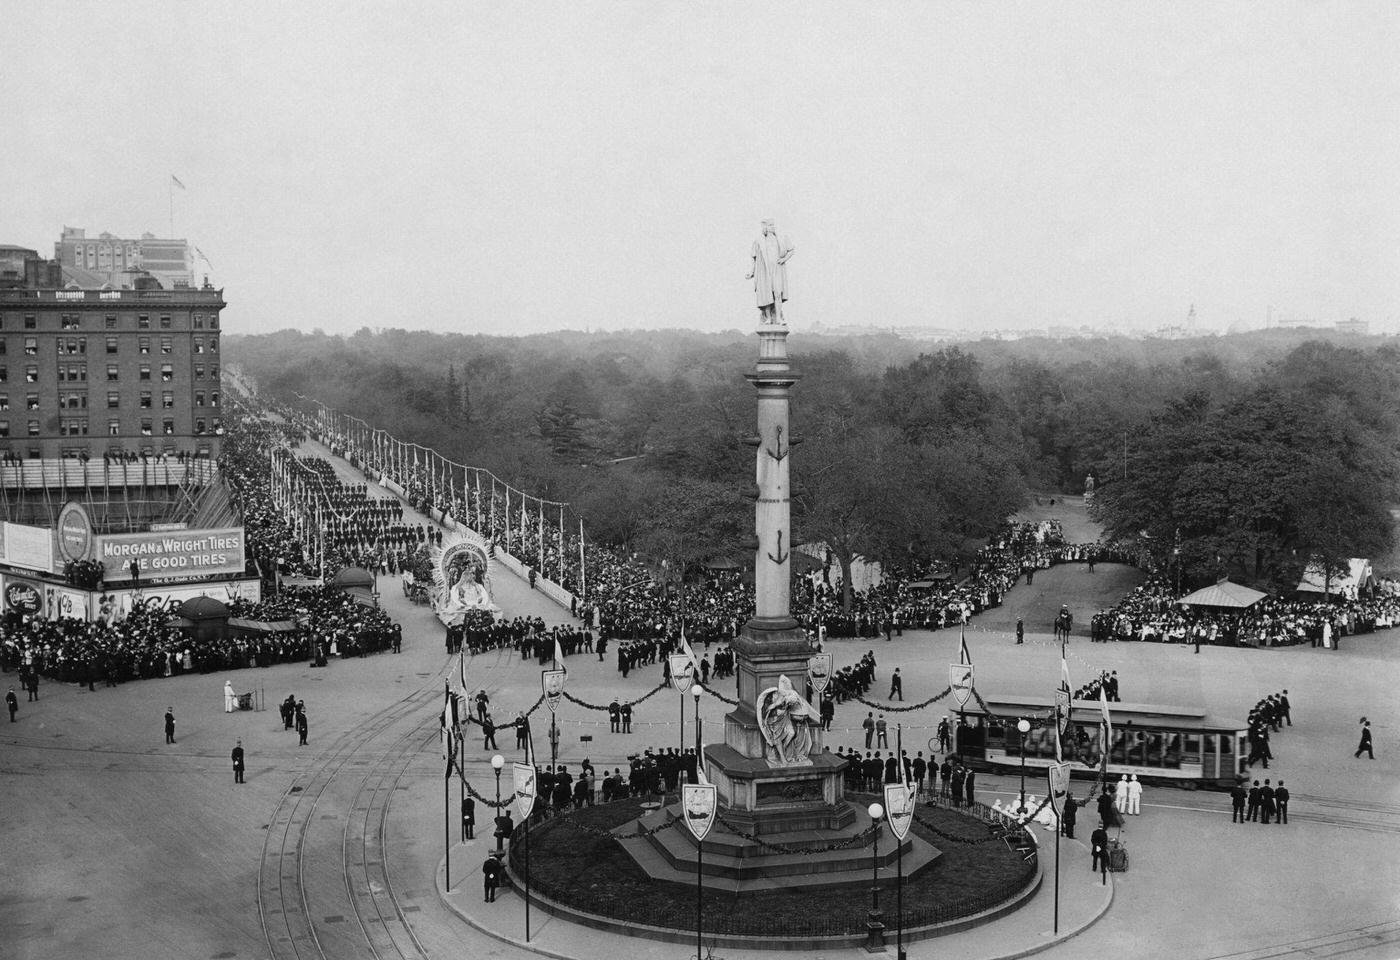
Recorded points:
203,608
1343,582
1223,594
262,626
353,577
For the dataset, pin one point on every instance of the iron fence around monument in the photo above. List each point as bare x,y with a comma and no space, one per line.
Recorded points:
728,914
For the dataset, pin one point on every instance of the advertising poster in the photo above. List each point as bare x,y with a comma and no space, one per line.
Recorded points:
180,554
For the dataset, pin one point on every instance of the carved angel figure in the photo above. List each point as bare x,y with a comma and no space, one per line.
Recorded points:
787,721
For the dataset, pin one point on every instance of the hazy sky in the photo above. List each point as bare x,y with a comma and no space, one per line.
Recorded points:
511,167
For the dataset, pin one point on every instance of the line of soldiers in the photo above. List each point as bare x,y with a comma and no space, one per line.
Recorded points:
1268,714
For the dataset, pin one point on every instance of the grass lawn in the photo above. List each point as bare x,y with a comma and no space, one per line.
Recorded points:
574,862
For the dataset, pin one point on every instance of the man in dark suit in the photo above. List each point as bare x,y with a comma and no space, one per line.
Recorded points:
169,724
1285,708
238,762
968,782
1237,797
1098,843
491,876
1266,802
1365,744
301,727
1253,812
1281,800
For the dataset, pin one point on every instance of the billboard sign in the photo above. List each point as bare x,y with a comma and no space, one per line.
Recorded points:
183,554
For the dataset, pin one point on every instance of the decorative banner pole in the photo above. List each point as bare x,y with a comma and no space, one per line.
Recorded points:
682,675
525,785
552,684
699,804
899,805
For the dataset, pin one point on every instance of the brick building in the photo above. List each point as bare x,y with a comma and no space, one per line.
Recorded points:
110,372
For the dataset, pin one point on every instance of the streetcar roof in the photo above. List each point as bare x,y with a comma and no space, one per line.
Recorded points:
1089,711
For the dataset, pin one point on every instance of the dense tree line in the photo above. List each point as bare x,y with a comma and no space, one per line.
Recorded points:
911,450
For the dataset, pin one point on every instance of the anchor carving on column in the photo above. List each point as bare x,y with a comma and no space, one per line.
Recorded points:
781,558
783,451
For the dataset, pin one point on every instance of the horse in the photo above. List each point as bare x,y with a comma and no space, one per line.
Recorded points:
1064,622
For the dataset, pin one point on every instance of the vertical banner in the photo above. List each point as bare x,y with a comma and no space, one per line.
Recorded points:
701,802
899,807
682,671
552,681
819,672
523,774
960,679
1058,775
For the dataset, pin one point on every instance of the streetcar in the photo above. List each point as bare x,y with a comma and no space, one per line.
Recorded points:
1183,746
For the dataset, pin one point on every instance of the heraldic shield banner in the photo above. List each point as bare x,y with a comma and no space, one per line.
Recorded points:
960,679
819,672
682,671
1058,774
899,807
524,776
700,802
552,681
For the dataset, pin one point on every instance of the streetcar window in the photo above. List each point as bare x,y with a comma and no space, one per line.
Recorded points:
1192,752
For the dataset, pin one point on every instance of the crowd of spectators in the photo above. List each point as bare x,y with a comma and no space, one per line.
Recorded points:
1151,613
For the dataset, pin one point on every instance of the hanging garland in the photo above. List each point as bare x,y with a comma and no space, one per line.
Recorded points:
913,706
720,697
630,703
512,724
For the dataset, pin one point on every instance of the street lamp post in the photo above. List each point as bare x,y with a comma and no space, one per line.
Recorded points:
497,762
874,924
1024,726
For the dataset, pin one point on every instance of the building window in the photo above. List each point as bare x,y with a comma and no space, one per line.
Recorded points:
219,426
145,373
167,373
199,398
145,399
213,344
167,400
4,375
4,401
214,322
31,346
213,371
198,344
143,345
145,426
82,346
214,399
31,401
4,428
4,345
31,322
73,401
69,321
165,321
77,372
110,323
114,428
111,344
164,344
112,371
31,374
114,401
73,428
199,321
143,322
199,426
168,427
33,428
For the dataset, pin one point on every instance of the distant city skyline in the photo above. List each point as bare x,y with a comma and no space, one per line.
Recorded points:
606,166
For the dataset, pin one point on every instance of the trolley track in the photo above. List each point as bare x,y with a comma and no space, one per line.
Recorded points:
284,900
